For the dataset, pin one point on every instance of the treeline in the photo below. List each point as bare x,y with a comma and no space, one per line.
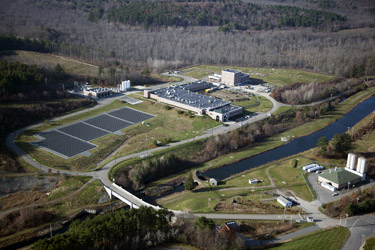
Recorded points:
231,14
302,93
359,202
136,229
15,76
139,172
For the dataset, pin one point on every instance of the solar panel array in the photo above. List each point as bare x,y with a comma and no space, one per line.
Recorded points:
83,131
73,139
63,144
108,123
130,115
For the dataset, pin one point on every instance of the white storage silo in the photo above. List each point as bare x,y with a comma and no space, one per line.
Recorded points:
351,161
361,165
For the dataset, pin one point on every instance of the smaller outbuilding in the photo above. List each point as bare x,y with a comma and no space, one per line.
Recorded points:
213,182
284,201
253,181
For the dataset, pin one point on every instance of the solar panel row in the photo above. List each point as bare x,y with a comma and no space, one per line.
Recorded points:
63,144
70,140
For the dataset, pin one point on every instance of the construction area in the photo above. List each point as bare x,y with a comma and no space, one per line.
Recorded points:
74,139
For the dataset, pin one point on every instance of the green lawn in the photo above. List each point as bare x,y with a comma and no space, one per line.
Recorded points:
165,124
278,77
242,180
332,239
287,177
204,201
253,105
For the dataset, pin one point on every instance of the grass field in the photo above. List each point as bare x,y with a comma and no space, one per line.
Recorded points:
274,141
283,172
165,124
278,77
50,61
242,180
332,239
260,104
204,200
164,78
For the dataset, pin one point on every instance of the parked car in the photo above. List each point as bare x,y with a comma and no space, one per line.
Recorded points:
335,194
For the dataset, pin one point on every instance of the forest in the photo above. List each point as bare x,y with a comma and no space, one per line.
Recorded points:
137,229
65,28
240,16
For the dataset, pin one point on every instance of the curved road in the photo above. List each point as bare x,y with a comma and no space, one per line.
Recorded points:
102,174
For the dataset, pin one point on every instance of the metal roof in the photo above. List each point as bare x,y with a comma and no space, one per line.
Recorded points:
232,70
181,95
340,176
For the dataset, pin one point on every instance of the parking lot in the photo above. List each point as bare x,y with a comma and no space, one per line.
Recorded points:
323,195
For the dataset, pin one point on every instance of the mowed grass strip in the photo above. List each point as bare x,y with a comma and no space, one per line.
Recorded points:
285,176
331,239
166,124
275,76
260,104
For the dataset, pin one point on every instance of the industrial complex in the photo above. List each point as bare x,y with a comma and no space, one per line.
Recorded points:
340,178
230,77
186,97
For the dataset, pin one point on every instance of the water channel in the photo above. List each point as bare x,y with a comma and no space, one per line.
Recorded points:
298,145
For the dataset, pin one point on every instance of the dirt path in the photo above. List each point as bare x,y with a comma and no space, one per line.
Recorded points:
8,211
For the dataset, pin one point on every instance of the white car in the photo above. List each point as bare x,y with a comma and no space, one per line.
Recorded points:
335,194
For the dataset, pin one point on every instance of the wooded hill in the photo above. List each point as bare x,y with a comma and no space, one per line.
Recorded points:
272,33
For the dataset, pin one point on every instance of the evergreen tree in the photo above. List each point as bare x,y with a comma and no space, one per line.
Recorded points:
189,182
322,144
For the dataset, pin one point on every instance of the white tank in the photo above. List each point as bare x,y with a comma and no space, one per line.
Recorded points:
362,165
348,160
351,161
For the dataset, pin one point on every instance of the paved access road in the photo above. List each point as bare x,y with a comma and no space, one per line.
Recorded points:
360,227
102,174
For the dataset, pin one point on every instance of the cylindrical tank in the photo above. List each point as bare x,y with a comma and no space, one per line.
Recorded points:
352,161
362,163
348,160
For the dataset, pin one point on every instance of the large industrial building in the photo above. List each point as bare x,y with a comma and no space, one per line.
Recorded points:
341,178
186,97
233,77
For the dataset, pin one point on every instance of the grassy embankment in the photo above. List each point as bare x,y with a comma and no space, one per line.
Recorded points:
330,239
167,78
166,123
49,61
260,104
369,244
295,181
277,77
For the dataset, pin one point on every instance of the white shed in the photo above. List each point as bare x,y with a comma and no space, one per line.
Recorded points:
284,201
213,182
